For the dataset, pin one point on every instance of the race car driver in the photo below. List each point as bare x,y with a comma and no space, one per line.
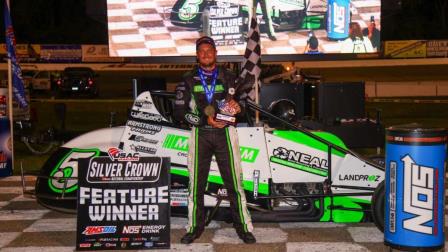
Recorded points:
197,100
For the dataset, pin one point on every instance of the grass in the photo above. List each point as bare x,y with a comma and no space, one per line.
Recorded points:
83,116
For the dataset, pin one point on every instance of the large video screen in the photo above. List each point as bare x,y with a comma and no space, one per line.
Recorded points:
287,27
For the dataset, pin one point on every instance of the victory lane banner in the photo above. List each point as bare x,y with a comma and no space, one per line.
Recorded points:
123,202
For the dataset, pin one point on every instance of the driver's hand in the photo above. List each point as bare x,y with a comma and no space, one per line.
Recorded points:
215,124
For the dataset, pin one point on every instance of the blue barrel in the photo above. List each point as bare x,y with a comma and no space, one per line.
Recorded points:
415,188
338,19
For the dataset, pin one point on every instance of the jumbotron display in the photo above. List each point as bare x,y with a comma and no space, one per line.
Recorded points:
288,27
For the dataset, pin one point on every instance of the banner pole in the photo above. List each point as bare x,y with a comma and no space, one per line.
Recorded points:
10,112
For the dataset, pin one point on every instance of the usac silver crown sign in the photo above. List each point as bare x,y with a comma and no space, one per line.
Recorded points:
123,202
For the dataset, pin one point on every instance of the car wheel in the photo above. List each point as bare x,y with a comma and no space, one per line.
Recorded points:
378,204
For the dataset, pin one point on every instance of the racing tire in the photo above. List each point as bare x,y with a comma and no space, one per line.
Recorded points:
378,204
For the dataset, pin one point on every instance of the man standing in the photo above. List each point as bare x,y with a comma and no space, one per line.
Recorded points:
373,33
266,16
203,92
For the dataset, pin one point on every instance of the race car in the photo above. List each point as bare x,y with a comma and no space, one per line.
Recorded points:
286,14
288,174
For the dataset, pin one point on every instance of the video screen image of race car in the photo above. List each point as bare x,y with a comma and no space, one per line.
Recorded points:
287,27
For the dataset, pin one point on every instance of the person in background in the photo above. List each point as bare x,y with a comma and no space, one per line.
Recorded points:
373,33
312,45
201,93
356,42
266,16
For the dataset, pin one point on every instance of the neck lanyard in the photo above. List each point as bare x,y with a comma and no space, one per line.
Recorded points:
209,92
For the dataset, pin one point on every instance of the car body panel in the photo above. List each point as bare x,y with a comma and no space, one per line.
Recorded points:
264,168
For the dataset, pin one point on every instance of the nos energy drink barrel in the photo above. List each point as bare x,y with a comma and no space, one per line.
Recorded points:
338,19
415,189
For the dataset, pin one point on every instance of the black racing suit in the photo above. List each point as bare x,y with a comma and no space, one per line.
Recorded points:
205,142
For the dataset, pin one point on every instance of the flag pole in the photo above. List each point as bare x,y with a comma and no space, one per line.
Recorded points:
257,113
10,111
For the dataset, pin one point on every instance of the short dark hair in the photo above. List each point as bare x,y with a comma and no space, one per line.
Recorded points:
205,40
314,43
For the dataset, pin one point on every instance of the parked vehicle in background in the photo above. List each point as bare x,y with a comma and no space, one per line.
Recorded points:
77,81
40,80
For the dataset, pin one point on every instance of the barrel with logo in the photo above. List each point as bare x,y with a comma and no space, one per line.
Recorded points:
415,188
338,19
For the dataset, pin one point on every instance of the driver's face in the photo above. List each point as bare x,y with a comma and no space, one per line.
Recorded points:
206,54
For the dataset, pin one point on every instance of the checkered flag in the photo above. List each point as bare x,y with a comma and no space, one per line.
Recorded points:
251,68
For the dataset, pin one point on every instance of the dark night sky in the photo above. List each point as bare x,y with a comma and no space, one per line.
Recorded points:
84,21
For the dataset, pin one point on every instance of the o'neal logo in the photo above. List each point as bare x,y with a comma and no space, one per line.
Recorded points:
359,177
300,161
418,196
60,177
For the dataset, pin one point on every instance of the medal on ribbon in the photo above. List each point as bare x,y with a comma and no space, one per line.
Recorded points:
209,92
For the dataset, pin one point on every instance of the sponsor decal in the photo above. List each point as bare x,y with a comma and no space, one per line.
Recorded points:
180,143
144,128
176,142
108,239
200,89
393,197
152,229
144,149
192,118
85,245
110,245
179,197
148,244
97,244
119,155
300,161
137,138
222,192
144,104
182,154
124,245
103,170
248,155
418,196
359,177
146,116
136,244
139,239
96,230
124,239
179,95
131,229
339,18
179,102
